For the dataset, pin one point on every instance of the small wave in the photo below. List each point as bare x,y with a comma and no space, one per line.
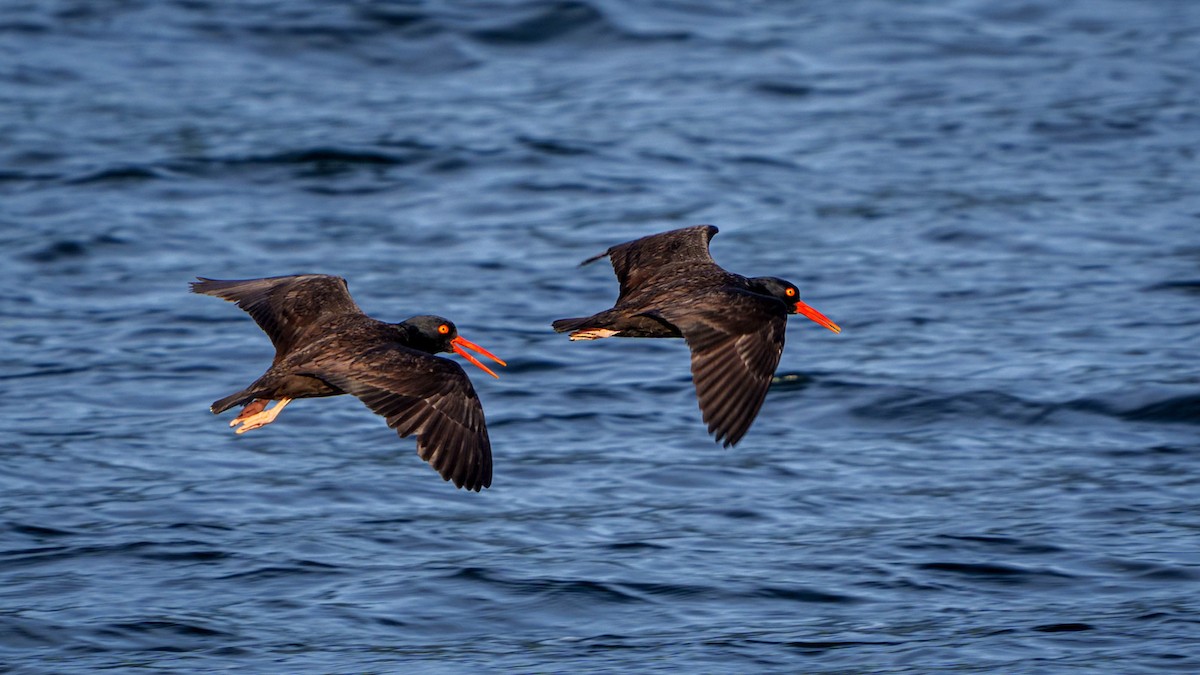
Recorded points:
657,590
919,406
800,594
634,545
25,176
198,555
24,633
394,16
554,146
38,530
1170,573
1185,286
57,251
821,646
303,567
1012,544
534,365
193,551
543,23
119,174
1183,409
1063,627
164,628
330,155
67,249
315,29
564,420
1151,570
583,588
26,27
783,88
594,590
1090,129
998,572
308,162
315,156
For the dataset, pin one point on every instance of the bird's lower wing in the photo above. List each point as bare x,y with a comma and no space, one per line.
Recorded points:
636,262
732,367
424,395
284,307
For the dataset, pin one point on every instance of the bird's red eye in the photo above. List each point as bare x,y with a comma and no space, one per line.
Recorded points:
444,329
791,292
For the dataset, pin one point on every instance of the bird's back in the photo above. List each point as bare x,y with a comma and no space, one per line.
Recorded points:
290,309
662,259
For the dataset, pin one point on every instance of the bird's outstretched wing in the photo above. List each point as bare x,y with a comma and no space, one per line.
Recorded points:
735,350
419,394
659,255
284,307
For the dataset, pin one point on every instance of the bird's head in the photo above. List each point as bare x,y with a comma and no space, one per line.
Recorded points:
789,295
435,334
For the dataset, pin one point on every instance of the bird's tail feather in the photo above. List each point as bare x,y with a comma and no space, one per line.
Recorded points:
221,405
565,325
594,259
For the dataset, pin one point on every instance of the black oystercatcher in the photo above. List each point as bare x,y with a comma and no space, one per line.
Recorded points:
326,346
671,287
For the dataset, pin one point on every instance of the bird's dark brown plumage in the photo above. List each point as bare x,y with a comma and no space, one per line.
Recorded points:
671,287
325,346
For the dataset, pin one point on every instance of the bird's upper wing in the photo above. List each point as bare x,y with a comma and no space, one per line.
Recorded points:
735,347
636,262
419,394
284,307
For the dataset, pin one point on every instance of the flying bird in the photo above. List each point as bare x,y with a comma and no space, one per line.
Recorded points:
326,346
671,287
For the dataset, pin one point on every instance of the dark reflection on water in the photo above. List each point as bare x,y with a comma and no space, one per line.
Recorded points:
990,469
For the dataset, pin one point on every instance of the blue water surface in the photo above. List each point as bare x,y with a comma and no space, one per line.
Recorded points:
994,468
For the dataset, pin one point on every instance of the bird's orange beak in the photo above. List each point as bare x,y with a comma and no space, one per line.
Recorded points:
820,318
459,342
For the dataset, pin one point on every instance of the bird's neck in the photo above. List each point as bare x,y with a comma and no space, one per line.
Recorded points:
410,336
759,285
405,333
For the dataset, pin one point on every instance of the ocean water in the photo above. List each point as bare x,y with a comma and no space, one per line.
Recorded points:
994,468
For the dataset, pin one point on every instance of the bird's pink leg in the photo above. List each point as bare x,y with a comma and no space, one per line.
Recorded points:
593,334
263,417
253,408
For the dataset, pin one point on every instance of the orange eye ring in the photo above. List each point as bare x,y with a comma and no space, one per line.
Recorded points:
791,292
444,329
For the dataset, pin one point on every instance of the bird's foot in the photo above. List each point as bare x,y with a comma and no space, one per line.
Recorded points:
593,334
253,408
261,418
